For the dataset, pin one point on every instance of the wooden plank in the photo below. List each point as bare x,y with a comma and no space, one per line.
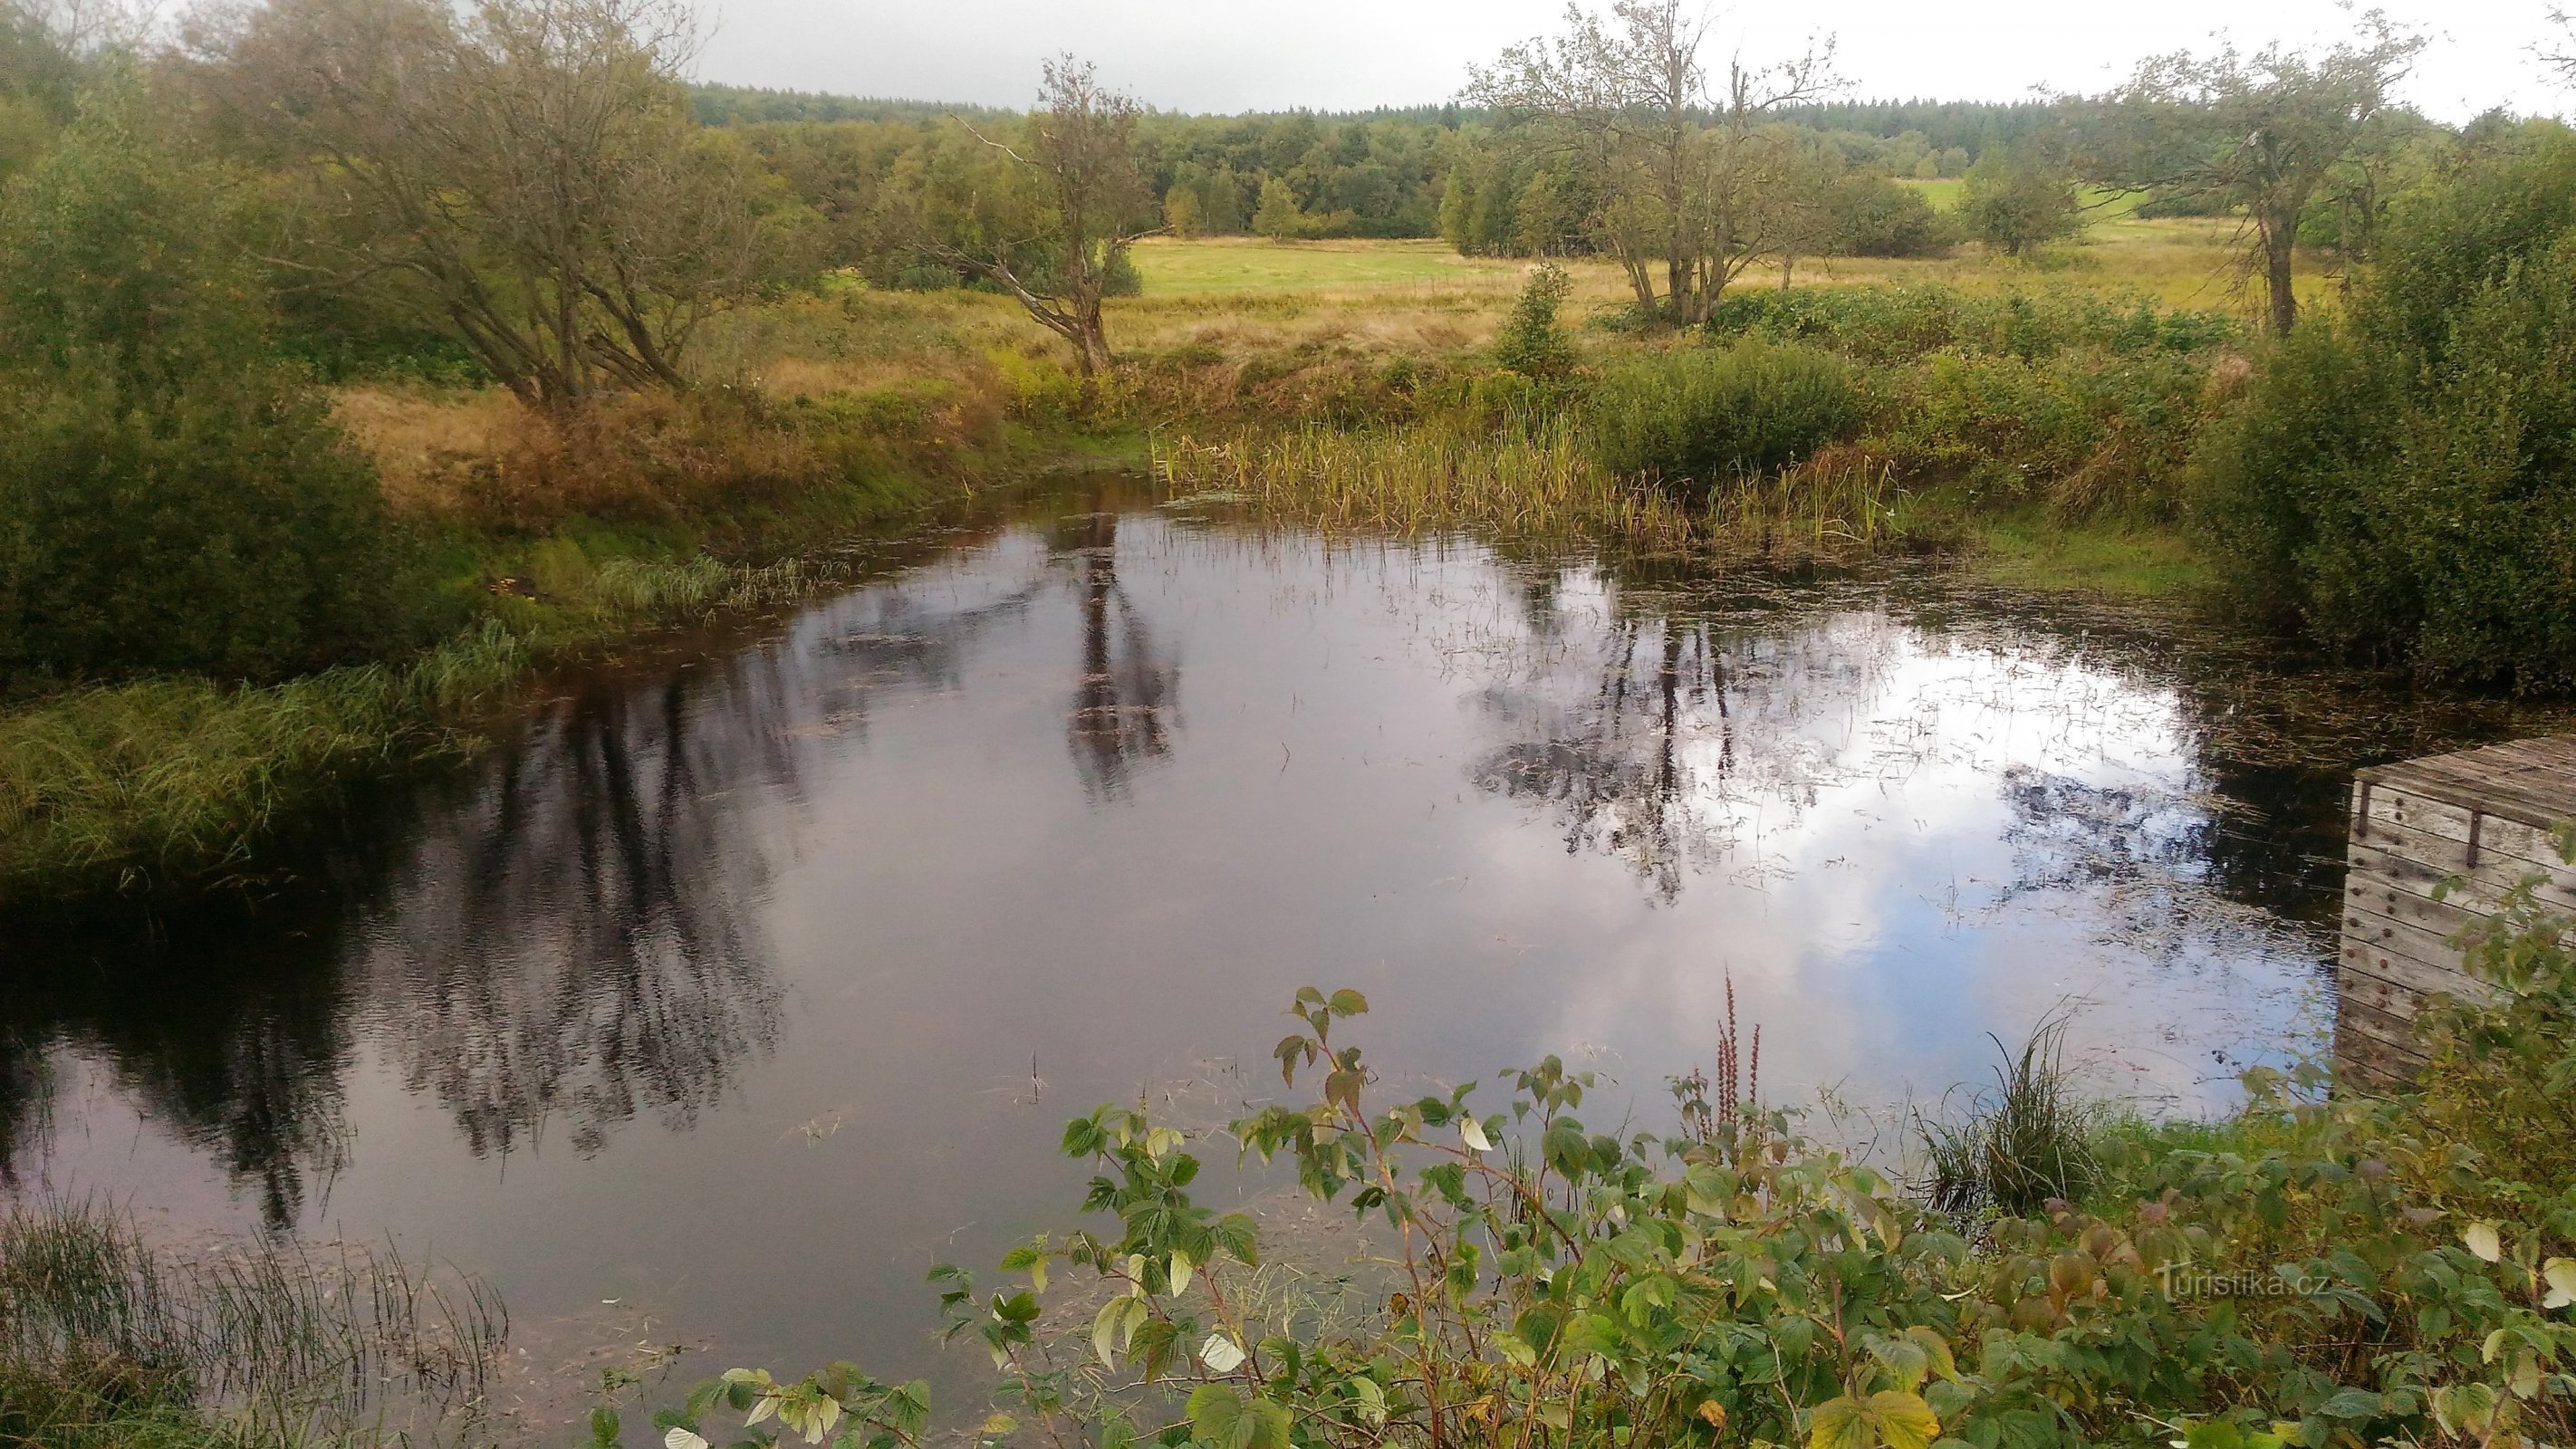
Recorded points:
2413,860
2376,958
2372,1061
2363,891
2398,1031
2396,805
2537,797
2358,1029
2386,935
2393,1000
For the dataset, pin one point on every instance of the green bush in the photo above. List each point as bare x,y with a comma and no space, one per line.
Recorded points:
171,497
2086,431
1896,324
1710,415
1532,344
225,528
2404,482
2320,1273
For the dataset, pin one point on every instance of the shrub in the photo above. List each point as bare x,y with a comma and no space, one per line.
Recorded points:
2404,483
1895,324
225,527
1876,217
1532,344
1710,415
2089,432
2324,1275
170,497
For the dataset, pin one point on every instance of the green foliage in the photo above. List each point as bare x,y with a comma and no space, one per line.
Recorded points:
123,249
2023,1143
223,527
2016,200
1894,324
2400,482
2503,1081
1873,216
1532,343
2295,1277
1708,416
170,497
163,784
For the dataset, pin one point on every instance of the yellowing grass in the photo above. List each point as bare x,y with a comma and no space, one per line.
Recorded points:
1424,480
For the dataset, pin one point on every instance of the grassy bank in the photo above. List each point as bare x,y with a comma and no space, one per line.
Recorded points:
538,550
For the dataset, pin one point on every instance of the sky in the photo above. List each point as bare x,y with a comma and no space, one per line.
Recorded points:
1246,55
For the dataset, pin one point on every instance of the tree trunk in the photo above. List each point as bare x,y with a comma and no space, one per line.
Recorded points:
2278,241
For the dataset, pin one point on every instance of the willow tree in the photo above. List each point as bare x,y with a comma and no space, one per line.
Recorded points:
524,173
2259,134
1693,186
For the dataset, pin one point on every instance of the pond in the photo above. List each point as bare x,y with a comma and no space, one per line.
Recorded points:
732,992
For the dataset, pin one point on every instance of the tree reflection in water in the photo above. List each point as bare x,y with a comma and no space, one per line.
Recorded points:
566,937
1657,732
572,942
237,1052
1124,688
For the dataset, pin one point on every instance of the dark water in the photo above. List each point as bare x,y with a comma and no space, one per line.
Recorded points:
738,993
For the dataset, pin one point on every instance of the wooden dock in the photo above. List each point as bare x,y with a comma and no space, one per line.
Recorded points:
2480,818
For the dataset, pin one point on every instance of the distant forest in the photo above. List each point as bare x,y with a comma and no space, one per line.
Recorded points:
1410,171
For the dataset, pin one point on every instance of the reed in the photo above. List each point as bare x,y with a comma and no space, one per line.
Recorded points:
1838,500
1426,480
2016,1146
107,1339
1433,479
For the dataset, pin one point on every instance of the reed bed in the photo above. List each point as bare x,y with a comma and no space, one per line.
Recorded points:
1427,480
1839,500
159,782
1440,480
107,1339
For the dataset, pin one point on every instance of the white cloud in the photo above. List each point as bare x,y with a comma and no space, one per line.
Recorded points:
1236,55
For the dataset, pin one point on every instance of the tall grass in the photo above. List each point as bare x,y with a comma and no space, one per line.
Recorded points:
173,781
1430,478
1838,499
1426,479
106,1339
2015,1146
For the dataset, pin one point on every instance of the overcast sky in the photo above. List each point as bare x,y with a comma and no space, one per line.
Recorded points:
1239,55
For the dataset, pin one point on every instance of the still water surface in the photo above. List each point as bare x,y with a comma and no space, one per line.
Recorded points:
737,993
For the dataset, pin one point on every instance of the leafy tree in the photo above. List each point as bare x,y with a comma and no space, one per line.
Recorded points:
1876,217
2260,132
1532,343
1279,217
170,496
40,76
525,175
1072,203
2402,482
1628,99
2016,200
1181,213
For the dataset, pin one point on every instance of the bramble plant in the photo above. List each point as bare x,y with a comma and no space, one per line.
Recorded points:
2326,1274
